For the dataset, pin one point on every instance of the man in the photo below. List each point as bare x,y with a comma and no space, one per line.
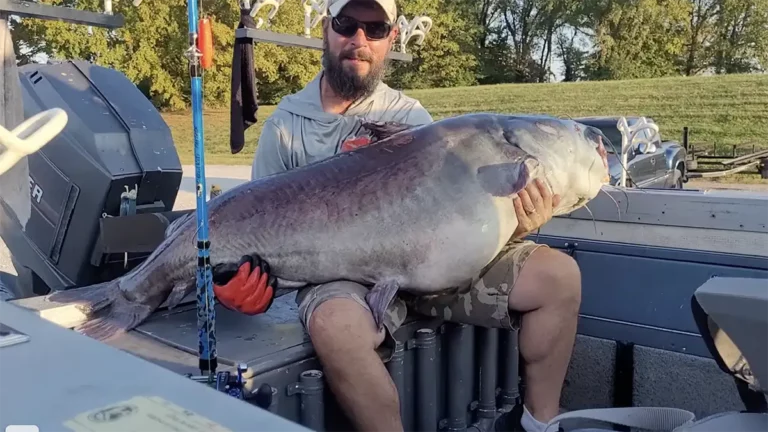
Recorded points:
529,284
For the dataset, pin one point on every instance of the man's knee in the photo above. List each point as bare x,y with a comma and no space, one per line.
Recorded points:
335,316
548,278
563,274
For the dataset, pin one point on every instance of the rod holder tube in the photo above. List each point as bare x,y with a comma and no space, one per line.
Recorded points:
274,405
426,380
396,369
310,388
510,390
460,355
489,355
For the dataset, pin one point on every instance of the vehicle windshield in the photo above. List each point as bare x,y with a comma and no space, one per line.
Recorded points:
614,135
609,131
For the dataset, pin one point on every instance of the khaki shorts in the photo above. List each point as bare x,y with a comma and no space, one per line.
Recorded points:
483,303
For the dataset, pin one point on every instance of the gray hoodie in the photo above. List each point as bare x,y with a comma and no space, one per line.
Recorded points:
300,132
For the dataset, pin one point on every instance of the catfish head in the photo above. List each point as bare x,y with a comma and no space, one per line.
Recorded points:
567,155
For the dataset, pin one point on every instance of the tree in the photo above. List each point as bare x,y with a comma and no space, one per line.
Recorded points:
638,38
703,14
741,42
448,56
572,56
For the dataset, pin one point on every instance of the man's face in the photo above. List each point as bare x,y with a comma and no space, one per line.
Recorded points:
355,63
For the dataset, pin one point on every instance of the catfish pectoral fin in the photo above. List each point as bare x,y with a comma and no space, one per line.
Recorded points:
507,178
379,298
179,291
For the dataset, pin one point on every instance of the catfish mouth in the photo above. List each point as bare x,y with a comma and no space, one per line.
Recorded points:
600,148
569,207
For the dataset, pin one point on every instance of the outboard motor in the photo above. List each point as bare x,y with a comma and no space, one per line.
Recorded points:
107,178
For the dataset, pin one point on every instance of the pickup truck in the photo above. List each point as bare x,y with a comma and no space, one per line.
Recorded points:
658,165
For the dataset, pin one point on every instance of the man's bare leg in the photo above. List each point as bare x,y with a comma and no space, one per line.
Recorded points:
548,292
345,340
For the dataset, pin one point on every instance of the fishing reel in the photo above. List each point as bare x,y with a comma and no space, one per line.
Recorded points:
225,382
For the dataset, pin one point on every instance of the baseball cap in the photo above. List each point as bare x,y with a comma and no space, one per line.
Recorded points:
389,7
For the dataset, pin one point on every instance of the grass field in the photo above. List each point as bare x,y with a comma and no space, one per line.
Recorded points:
727,110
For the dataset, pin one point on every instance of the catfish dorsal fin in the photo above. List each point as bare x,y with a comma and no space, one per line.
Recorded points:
384,130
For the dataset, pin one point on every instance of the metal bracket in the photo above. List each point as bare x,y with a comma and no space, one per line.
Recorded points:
425,338
284,39
30,9
314,12
311,382
571,248
128,207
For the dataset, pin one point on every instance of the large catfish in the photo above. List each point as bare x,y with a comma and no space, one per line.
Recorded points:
422,209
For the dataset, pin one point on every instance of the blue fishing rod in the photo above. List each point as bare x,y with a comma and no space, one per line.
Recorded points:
206,314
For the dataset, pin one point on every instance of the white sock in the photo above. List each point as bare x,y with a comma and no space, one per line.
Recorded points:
530,424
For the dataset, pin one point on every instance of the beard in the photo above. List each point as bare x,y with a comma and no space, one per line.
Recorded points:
346,84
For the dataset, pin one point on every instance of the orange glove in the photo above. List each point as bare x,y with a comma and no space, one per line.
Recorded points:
246,286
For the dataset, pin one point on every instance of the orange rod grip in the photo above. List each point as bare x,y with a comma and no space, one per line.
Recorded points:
205,42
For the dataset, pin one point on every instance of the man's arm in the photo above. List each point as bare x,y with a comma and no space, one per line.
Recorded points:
271,152
418,115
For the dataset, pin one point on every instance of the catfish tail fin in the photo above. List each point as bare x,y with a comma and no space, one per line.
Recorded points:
89,299
108,312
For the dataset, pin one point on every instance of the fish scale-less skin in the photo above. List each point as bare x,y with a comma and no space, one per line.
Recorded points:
353,221
422,211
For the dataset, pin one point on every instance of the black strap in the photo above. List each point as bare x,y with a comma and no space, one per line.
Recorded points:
244,103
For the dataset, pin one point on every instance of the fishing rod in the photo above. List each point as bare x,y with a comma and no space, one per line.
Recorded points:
206,313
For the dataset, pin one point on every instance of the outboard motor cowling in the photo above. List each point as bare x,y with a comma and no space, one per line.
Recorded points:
115,145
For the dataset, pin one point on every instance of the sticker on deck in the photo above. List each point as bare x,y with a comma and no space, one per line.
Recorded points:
143,414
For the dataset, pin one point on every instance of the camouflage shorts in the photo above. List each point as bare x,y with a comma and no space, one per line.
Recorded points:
484,302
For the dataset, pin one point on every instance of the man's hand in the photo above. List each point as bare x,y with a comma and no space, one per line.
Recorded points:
245,287
533,207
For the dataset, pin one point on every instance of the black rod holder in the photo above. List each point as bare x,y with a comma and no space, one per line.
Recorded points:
426,380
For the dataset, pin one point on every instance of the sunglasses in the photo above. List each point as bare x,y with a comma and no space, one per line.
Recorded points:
347,27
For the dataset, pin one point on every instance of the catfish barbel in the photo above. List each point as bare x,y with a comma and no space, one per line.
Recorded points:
421,209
